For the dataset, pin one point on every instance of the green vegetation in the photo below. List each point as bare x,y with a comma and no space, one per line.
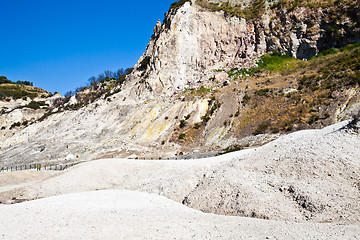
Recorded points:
36,105
263,92
275,62
178,4
290,5
236,73
16,91
201,91
255,9
342,72
244,101
172,10
182,136
197,125
313,118
230,149
4,79
183,123
261,129
16,124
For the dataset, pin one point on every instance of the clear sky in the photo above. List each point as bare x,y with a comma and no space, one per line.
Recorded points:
59,44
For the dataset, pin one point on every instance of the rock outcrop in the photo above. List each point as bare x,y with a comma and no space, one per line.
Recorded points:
194,41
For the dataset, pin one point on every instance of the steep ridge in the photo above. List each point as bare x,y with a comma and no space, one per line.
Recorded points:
197,88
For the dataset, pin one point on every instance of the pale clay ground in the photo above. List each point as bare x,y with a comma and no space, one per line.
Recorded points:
306,183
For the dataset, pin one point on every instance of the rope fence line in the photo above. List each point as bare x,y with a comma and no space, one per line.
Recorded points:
38,167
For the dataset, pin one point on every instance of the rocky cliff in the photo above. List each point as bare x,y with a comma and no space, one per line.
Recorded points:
205,84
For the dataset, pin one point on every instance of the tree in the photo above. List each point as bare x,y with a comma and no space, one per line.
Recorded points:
4,79
26,83
120,73
92,80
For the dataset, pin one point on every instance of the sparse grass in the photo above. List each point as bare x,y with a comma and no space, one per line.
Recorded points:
17,91
255,9
178,4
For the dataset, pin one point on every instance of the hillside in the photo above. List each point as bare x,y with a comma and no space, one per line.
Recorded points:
213,78
16,91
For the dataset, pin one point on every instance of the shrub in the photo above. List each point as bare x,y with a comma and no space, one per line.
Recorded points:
187,117
183,123
263,92
182,136
197,126
313,118
245,99
205,118
36,105
230,149
176,5
261,129
17,124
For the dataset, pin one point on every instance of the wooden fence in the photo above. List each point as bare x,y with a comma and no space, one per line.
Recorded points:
38,167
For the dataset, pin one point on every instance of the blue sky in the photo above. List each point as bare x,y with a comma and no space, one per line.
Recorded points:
59,44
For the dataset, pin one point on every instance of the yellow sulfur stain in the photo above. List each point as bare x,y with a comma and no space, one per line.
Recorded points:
215,135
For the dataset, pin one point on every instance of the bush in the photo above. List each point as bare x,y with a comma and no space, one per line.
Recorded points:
183,123
182,136
36,105
245,99
263,92
261,129
354,123
230,149
313,118
17,124
176,5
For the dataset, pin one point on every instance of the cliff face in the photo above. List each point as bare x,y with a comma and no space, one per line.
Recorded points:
200,37
190,91
190,45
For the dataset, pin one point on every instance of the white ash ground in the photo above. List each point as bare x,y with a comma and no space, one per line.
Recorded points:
299,182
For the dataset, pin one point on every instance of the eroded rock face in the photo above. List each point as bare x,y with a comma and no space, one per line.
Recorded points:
185,53
194,41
